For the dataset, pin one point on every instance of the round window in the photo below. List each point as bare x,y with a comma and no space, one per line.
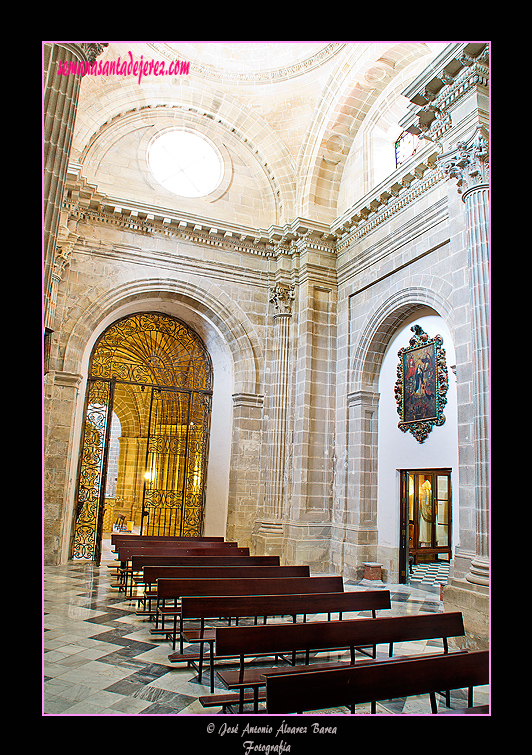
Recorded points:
185,163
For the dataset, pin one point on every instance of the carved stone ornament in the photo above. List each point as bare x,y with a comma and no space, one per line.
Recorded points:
422,384
282,297
468,162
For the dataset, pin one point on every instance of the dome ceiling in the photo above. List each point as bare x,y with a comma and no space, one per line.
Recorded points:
285,115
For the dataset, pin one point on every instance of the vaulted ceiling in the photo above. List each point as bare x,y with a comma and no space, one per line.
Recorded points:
289,120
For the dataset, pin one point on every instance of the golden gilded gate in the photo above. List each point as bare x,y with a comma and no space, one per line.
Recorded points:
154,374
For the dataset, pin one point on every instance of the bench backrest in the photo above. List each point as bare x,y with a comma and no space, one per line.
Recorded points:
169,545
125,554
152,573
316,690
137,562
128,537
284,605
177,588
336,634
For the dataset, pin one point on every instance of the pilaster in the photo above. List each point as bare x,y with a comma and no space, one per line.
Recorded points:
60,100
450,108
469,163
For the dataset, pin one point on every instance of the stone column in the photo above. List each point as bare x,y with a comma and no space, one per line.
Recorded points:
269,536
61,391
60,99
360,534
245,470
469,164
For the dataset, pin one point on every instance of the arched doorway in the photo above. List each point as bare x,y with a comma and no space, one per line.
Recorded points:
154,374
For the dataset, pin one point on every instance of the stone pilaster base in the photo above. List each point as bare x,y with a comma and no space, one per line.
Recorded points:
268,539
473,601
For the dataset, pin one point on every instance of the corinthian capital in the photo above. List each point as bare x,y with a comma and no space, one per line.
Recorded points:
282,297
468,162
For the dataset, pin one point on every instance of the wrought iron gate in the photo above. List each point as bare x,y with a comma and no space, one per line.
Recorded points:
175,466
161,367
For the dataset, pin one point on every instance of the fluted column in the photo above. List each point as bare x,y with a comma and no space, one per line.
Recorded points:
281,298
469,164
60,100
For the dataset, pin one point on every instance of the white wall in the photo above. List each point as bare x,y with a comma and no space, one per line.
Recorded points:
398,450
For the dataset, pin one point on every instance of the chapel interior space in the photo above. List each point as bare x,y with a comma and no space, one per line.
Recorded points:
235,255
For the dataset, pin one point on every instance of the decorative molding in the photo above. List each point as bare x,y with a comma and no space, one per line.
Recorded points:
272,75
408,183
282,297
462,69
248,399
468,162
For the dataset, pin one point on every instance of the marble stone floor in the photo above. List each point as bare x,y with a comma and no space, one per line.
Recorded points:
99,657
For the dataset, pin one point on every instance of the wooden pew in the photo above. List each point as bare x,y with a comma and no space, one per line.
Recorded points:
253,606
277,639
150,575
175,589
139,562
125,554
316,690
117,537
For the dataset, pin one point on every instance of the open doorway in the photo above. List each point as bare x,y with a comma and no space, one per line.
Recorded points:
426,520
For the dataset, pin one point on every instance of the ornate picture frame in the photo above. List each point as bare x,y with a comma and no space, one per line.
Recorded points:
422,384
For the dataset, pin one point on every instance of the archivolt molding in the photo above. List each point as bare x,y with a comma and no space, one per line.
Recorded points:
251,131
272,75
214,306
381,326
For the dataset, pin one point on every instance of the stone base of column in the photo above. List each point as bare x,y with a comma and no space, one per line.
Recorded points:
310,543
351,548
472,600
268,539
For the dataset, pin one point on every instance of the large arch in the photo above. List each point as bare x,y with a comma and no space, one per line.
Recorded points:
213,308
234,349
357,536
384,321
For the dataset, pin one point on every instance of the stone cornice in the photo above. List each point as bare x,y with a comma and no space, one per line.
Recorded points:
436,92
412,179
83,202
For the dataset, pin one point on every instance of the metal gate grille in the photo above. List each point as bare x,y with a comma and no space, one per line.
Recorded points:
154,367
175,463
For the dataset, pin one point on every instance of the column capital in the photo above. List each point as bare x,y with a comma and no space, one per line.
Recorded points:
85,51
282,296
468,162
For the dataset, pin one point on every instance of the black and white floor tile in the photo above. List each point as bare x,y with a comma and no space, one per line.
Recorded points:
101,659
429,576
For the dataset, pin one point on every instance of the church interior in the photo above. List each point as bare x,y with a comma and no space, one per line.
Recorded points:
266,326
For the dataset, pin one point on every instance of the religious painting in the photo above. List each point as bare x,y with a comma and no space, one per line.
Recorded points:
422,383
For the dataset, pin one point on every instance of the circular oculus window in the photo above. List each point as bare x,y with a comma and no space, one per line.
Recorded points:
185,163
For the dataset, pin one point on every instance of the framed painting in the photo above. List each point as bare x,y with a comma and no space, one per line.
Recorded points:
422,384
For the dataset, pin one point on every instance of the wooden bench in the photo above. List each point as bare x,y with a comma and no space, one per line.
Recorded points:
175,589
125,537
317,690
126,553
255,606
138,562
347,635
150,575
129,538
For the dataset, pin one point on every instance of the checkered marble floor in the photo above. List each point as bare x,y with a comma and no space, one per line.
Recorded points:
429,576
101,659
